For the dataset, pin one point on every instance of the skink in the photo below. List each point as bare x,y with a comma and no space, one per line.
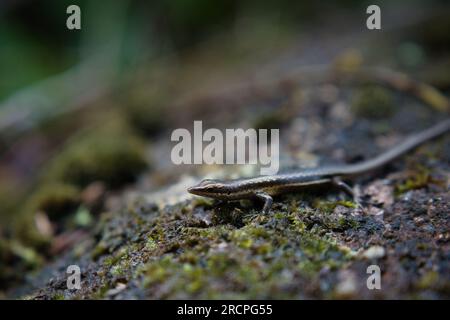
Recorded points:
265,187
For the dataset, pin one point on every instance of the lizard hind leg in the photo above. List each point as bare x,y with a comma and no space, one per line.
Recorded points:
267,201
349,190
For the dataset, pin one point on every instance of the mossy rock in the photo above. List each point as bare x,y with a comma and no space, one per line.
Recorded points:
112,155
56,200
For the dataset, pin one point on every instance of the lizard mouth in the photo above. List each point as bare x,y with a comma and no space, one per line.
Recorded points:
195,190
191,190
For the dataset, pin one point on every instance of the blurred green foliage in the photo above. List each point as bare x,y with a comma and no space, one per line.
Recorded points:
35,43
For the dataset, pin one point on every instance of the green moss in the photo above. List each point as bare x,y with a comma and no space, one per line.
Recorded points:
253,231
296,223
417,179
157,272
373,102
151,244
347,204
114,259
118,264
100,249
428,280
100,293
177,258
279,215
58,296
202,202
117,270
329,206
247,261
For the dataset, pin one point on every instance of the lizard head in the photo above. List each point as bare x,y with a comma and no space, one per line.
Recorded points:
208,188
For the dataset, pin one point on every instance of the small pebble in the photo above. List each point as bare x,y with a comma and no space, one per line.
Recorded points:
119,288
374,252
346,287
